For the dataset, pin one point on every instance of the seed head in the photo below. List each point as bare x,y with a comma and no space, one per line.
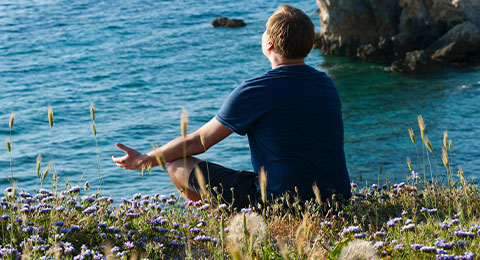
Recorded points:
86,186
39,163
159,157
12,119
50,115
92,111
94,129
251,223
184,122
45,172
445,137
445,157
8,144
428,144
409,163
202,139
318,196
201,181
358,249
450,144
421,125
412,136
262,179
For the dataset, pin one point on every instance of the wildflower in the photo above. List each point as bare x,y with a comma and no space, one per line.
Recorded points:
360,235
379,234
445,257
351,229
423,210
374,186
464,234
378,245
432,211
398,247
60,208
428,249
416,246
408,227
58,223
246,211
415,175
171,202
47,210
204,207
202,238
195,230
75,227
64,230
75,189
358,249
404,213
90,210
353,185
408,222
129,244
326,223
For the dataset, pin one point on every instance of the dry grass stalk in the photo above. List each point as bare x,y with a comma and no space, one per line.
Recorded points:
12,119
184,122
92,111
412,136
283,249
159,157
94,129
45,172
39,163
202,140
318,196
201,182
50,115
8,144
445,137
409,163
421,125
445,158
262,179
428,144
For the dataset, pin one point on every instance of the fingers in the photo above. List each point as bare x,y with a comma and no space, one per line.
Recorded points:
124,148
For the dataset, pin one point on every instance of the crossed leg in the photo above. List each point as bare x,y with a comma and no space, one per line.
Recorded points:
180,175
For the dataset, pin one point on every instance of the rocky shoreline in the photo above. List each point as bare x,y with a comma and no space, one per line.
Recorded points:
410,35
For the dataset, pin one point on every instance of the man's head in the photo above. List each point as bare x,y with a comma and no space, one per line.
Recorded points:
291,32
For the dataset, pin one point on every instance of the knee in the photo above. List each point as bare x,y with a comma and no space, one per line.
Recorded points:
174,166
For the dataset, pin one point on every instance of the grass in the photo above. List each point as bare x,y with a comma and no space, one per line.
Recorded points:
436,218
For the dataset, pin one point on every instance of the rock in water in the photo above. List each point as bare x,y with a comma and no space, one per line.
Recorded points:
411,35
225,22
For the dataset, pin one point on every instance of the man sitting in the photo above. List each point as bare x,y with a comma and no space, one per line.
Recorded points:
291,115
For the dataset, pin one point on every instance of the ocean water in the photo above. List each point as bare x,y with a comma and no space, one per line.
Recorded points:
141,62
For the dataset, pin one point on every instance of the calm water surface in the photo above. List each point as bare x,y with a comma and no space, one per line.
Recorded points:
140,62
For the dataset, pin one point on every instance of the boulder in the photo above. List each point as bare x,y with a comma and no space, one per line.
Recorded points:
225,22
410,35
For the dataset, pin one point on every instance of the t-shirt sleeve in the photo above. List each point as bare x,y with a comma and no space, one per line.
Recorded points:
241,108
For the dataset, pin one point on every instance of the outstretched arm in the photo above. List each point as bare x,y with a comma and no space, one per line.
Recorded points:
212,132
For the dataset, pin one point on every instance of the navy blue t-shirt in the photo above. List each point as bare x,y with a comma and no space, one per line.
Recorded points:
292,117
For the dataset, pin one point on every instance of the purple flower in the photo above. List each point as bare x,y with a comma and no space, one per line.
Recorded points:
464,234
432,211
379,234
58,223
428,249
171,202
202,238
353,185
195,230
408,221
416,246
374,186
75,227
378,245
47,210
360,235
326,223
129,245
414,175
423,210
404,213
60,208
90,210
398,247
204,207
75,189
408,227
351,229
137,196
445,257
246,211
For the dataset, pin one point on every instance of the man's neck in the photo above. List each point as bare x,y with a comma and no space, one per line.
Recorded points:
280,62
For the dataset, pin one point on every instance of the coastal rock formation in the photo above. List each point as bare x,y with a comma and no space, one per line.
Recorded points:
225,22
411,35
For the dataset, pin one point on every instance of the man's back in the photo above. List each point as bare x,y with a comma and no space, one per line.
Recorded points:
292,116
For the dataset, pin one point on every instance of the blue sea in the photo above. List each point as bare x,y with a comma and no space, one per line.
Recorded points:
141,62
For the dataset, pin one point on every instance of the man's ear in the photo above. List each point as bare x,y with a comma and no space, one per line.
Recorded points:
270,45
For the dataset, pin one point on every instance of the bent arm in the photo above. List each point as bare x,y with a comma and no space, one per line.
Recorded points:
211,133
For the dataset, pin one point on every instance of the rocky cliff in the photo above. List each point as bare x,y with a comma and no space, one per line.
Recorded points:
411,35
